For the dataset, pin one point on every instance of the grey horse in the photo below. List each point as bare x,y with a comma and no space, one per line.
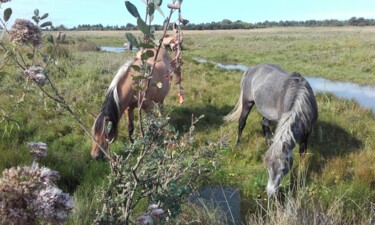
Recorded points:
280,96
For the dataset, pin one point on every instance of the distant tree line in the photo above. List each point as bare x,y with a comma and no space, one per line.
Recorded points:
238,24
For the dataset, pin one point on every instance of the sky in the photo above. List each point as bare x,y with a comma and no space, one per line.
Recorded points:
71,13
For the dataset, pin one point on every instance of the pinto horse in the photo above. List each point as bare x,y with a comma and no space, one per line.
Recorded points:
283,97
121,98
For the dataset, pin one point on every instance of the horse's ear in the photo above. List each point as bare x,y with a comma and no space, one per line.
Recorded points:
93,115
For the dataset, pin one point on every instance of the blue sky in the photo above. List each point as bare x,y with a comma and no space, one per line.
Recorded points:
113,12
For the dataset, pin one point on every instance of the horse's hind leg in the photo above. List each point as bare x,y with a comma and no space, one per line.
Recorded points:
130,115
267,130
246,108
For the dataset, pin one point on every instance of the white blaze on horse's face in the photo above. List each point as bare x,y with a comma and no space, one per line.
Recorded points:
277,168
96,153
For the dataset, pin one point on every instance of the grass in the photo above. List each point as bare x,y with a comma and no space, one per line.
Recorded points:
341,160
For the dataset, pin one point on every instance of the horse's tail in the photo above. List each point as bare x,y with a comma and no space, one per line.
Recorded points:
236,112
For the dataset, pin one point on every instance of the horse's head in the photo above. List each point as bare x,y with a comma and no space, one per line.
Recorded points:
104,132
278,161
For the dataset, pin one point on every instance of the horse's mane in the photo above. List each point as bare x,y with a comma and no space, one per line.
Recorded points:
111,105
299,118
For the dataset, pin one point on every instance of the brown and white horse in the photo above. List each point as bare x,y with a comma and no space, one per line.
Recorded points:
121,98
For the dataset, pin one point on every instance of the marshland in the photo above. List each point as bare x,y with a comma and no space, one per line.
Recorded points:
333,184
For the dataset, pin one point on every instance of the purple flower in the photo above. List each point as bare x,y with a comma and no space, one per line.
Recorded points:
38,149
36,74
25,32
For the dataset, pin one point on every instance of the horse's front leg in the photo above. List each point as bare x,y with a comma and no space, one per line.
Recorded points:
159,108
303,144
267,130
130,120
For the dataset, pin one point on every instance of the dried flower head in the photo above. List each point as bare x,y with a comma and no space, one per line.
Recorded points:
29,194
144,220
36,74
38,149
25,32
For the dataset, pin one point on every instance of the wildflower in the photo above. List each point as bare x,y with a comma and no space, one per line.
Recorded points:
25,32
144,220
29,194
36,74
38,149
156,211
53,205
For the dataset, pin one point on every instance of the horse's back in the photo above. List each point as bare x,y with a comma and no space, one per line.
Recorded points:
160,76
265,86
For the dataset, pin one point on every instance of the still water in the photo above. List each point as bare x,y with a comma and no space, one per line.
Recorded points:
115,49
364,95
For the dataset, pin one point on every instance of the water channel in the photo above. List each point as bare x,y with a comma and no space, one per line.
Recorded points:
364,95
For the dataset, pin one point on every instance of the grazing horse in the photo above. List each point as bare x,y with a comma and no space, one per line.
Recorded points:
283,97
121,98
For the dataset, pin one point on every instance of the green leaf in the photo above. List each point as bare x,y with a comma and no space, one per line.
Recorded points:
146,45
138,77
151,9
36,19
36,12
132,9
136,68
7,14
46,24
30,56
147,54
158,2
50,38
142,26
3,73
50,49
44,16
132,39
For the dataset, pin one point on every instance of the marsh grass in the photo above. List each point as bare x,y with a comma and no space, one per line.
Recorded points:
340,172
333,53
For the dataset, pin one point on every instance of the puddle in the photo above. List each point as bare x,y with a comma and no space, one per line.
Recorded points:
115,49
364,95
225,198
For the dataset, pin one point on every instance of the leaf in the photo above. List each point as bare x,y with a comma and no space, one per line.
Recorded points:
151,9
136,68
132,9
50,38
46,24
36,12
158,2
44,16
146,55
36,19
3,73
132,39
146,45
142,26
138,77
30,56
7,14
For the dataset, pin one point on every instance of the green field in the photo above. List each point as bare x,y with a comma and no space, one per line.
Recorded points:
339,173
